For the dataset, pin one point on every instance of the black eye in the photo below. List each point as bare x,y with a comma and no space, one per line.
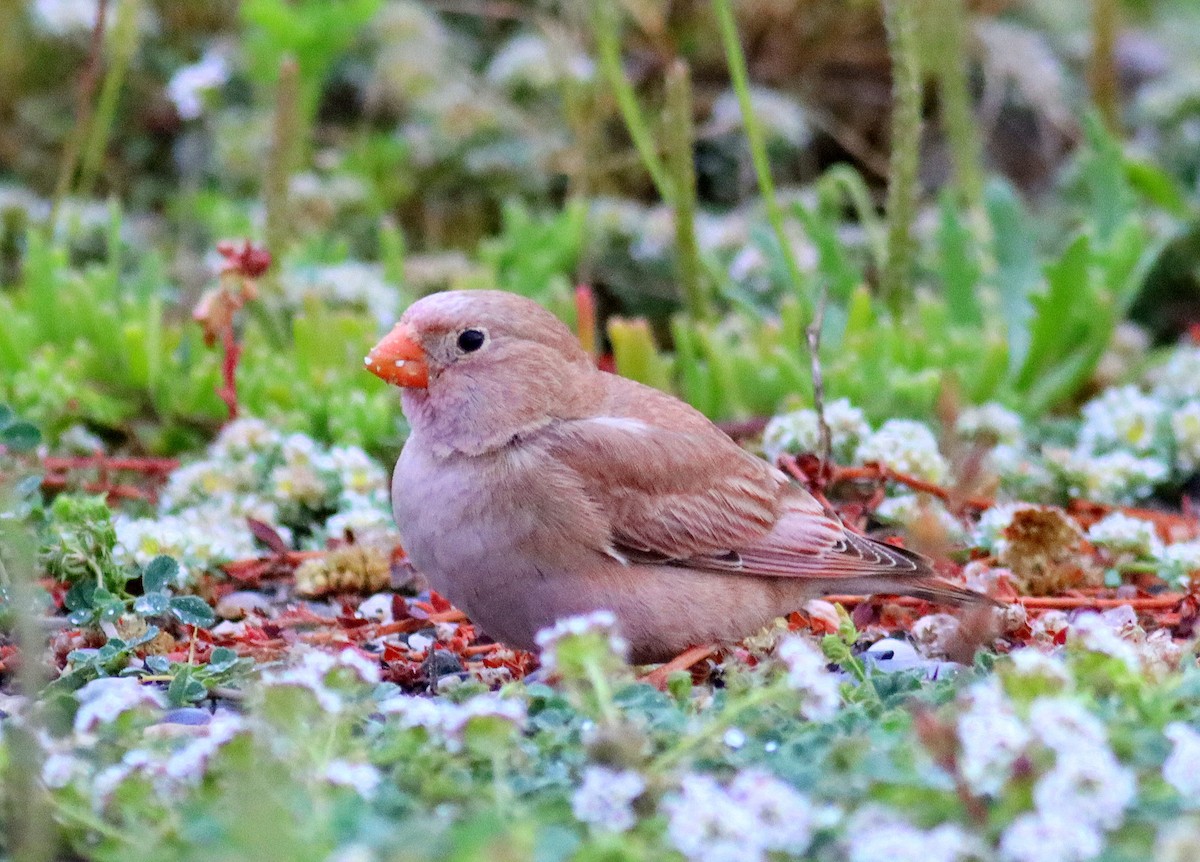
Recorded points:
470,340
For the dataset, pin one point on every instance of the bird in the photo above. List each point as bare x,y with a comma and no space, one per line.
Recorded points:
534,486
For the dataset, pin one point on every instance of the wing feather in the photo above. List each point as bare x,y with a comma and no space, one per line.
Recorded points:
676,491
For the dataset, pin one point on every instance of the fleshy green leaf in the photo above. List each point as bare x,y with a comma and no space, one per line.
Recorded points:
193,611
162,573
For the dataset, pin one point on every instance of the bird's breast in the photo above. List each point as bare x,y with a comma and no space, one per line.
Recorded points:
474,525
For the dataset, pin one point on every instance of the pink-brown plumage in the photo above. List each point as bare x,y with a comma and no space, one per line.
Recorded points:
534,486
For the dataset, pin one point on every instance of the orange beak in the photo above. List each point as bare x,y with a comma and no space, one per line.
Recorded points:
399,359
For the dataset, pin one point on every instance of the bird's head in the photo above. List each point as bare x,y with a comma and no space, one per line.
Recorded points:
479,367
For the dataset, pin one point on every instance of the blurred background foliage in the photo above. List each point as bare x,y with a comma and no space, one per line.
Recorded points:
978,194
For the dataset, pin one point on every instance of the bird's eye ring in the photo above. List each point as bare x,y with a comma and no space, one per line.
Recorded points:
470,340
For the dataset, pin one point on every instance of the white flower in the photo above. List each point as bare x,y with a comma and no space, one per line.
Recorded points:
875,833
604,799
1182,767
189,85
1179,561
1113,477
1049,837
103,700
313,670
1097,633
529,60
1121,533
243,438
447,721
991,420
597,622
785,818
1185,429
1122,417
991,738
807,673
1094,787
911,510
189,762
1032,662
1179,378
906,446
1087,779
781,117
705,826
351,282
791,433
936,635
758,814
69,17
60,769
357,471
362,778
989,531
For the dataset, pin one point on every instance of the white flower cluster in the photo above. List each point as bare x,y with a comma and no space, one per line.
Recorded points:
103,700
991,737
446,721
1084,794
604,798
808,674
531,61
254,471
1178,561
906,446
1122,418
1122,534
876,832
781,117
910,509
602,623
320,673
756,815
349,283
1081,790
190,85
799,431
1119,476
1182,767
991,422
1116,633
362,778
77,18
169,771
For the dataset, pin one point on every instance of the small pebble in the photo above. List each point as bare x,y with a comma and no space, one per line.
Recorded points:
441,663
419,642
378,607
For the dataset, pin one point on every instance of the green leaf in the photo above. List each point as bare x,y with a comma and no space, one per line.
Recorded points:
222,659
1017,271
152,604
1068,285
20,436
185,688
958,264
1156,186
6,415
161,573
193,611
157,664
81,596
80,617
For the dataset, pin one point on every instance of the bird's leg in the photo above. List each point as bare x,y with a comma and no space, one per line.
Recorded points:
683,661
